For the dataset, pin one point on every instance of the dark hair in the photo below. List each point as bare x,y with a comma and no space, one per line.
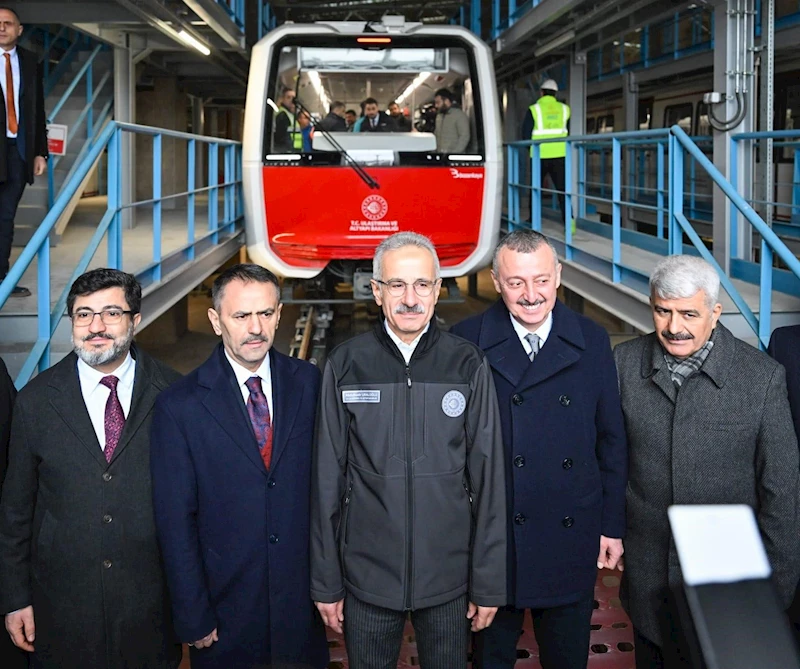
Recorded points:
337,105
444,93
8,9
523,240
351,111
245,272
370,101
285,90
101,279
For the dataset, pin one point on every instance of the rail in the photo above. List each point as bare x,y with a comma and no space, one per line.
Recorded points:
674,148
110,227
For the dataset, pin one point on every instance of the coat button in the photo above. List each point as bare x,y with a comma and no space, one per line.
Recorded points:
519,461
107,477
107,519
520,519
516,398
564,400
107,564
567,464
568,522
271,483
273,538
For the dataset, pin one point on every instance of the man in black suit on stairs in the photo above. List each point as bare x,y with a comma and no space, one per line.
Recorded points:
23,131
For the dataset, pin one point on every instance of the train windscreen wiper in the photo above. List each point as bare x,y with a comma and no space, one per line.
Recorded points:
360,171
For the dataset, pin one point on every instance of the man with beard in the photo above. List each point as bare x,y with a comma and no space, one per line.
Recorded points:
566,455
708,421
81,581
231,463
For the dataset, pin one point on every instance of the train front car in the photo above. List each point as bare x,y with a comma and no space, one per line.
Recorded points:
317,200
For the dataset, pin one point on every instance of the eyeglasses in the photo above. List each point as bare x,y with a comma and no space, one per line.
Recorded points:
397,287
108,316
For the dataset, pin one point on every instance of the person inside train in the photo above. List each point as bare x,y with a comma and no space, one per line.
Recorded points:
306,126
374,121
287,137
401,120
335,120
350,118
452,124
360,120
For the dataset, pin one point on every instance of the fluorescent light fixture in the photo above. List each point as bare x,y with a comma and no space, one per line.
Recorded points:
316,82
282,157
414,85
553,44
465,158
272,104
193,42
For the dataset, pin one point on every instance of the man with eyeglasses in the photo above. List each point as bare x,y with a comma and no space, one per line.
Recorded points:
81,580
566,463
408,495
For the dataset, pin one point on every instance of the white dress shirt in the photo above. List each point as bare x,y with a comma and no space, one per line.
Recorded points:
543,331
406,350
242,374
15,77
95,394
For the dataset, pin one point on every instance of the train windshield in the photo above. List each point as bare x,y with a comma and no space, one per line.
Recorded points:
381,100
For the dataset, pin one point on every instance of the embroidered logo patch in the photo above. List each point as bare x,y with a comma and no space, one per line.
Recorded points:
361,396
453,404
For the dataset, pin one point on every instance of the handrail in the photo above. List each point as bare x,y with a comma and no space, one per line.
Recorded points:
65,96
110,226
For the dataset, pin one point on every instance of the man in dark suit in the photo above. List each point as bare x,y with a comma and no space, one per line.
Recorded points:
81,581
23,133
374,121
11,657
708,422
231,467
566,454
784,346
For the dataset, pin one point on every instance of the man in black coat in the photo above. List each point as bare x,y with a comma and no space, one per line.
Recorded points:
23,131
374,121
81,579
10,656
335,121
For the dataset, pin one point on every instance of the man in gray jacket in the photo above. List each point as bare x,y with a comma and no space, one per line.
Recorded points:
452,125
708,422
408,485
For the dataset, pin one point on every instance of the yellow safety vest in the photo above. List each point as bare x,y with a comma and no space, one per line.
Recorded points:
550,120
294,130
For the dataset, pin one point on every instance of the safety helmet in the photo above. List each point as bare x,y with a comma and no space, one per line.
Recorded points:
549,85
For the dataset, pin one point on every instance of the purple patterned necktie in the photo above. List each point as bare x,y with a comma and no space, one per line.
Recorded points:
115,418
258,409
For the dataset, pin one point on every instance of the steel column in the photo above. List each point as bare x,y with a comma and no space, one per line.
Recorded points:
577,126
125,112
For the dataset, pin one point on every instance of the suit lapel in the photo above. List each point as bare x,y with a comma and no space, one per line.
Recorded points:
503,348
224,402
654,366
66,399
287,394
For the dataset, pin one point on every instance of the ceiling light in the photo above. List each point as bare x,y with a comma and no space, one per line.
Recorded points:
193,42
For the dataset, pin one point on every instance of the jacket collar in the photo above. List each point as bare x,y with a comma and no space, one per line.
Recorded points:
426,342
504,350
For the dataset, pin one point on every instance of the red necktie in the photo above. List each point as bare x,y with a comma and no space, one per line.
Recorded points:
258,409
115,418
11,110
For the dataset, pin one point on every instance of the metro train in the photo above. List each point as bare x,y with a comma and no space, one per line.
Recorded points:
322,212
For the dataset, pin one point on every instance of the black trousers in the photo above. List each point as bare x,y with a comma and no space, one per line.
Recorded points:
11,657
555,169
373,635
562,633
10,194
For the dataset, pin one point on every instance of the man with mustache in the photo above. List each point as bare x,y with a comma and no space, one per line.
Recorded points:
407,489
708,422
231,464
81,579
565,455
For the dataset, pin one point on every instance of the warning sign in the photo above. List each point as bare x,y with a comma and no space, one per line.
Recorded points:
56,139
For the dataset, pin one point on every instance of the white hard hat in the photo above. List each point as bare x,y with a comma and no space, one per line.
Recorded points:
549,85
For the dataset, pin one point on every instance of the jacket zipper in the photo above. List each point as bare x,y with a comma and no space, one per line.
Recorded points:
409,500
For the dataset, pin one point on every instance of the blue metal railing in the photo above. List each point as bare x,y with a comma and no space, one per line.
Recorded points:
235,9
266,18
674,147
110,226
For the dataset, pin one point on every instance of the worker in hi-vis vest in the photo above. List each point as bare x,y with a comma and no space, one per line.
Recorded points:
548,118
288,137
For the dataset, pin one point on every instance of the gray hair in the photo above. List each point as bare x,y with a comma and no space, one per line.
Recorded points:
398,241
522,241
681,277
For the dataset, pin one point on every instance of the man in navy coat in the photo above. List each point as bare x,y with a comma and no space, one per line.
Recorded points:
231,465
566,455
